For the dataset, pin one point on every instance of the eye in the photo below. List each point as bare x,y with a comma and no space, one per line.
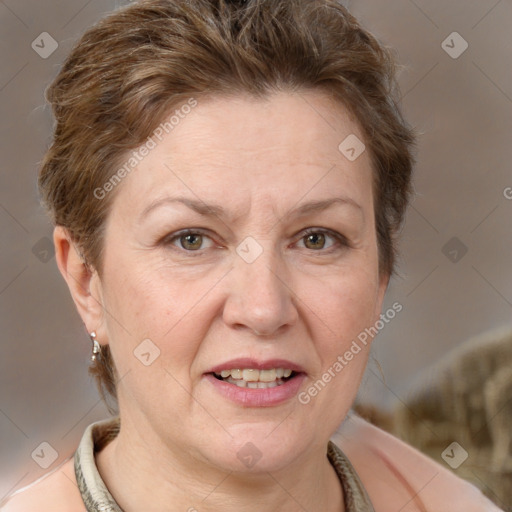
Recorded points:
188,240
315,239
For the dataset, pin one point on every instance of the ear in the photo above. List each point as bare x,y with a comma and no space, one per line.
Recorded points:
83,282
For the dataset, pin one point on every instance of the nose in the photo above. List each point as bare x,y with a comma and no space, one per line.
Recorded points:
261,298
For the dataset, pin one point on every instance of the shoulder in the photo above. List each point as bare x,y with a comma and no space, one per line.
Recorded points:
394,472
55,492
58,490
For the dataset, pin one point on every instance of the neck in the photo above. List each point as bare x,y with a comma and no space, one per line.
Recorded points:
141,478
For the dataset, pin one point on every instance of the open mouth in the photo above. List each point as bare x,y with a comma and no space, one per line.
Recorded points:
256,379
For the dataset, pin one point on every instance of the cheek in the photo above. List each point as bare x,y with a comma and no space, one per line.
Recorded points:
154,333
143,304
344,311
344,307
142,299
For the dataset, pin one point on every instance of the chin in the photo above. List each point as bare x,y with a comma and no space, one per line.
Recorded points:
257,449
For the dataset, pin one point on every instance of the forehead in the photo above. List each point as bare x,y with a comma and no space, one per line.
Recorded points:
237,149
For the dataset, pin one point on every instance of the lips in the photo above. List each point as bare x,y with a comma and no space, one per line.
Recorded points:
257,383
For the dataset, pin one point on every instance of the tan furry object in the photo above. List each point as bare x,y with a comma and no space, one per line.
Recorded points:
466,398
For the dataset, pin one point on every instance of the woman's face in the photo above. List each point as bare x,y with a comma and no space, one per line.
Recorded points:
243,176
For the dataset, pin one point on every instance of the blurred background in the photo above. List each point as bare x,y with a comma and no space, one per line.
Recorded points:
455,270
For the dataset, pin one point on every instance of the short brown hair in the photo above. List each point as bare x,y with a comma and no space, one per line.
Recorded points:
130,69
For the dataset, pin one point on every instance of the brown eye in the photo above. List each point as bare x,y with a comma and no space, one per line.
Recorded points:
191,241
188,241
316,241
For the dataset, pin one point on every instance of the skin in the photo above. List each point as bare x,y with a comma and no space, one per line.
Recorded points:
177,448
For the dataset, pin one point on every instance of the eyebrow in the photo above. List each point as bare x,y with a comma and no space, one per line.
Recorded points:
213,210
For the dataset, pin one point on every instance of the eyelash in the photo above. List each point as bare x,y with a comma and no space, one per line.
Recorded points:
342,241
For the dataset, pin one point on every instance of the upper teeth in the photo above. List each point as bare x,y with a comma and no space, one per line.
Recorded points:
252,375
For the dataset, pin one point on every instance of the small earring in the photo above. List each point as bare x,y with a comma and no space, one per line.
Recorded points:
96,348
